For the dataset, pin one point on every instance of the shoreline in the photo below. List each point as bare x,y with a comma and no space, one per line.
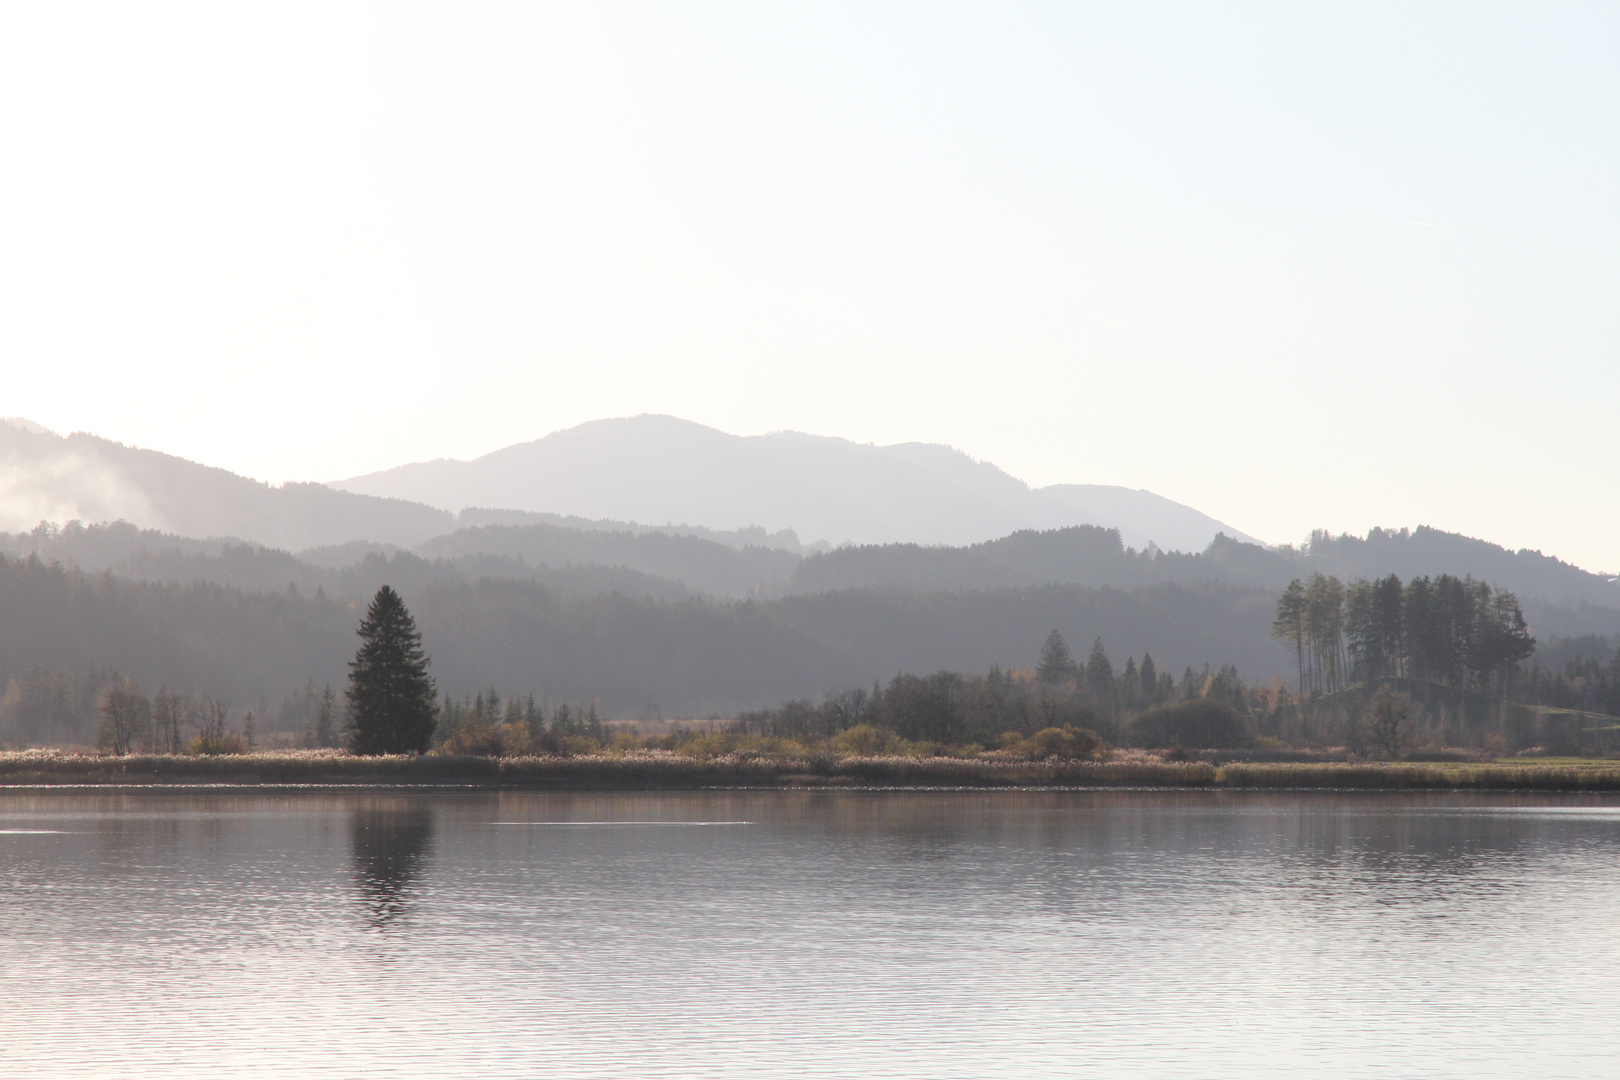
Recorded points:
34,769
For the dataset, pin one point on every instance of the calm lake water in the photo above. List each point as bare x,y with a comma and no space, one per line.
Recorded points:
852,934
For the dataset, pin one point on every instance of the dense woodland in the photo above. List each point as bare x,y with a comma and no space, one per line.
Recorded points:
1059,705
239,630
630,653
582,561
1457,632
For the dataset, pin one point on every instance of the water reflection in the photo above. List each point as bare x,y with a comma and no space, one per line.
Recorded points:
958,935
390,840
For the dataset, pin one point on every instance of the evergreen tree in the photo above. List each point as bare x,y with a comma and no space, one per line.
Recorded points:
1289,625
326,720
1360,637
1389,635
1505,640
1150,679
1324,626
1099,671
391,696
1420,626
1055,664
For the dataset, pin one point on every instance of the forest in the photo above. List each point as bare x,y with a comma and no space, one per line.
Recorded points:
634,655
251,632
1058,706
1456,632
591,558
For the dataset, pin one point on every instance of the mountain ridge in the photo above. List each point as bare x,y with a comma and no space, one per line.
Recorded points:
660,468
49,477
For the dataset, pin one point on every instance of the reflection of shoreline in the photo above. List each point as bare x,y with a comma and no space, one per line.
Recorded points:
390,840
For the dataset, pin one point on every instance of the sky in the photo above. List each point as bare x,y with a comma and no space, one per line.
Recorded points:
1298,266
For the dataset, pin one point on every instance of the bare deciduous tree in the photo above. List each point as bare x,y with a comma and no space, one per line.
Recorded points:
125,713
210,715
168,722
1389,721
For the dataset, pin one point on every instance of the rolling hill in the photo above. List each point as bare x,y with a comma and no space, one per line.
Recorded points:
48,477
653,469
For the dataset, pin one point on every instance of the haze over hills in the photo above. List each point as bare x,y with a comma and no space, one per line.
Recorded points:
691,619
788,491
664,469
48,477
253,623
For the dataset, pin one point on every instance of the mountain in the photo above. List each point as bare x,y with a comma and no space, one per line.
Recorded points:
47,477
663,469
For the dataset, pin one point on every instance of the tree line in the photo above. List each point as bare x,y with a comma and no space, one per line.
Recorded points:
1057,692
691,657
110,710
1449,632
1456,632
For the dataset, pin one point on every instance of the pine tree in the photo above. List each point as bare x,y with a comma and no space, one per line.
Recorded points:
1388,632
1099,672
1056,664
326,720
391,696
1289,624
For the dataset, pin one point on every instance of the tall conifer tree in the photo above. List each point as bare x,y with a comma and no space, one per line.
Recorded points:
1100,672
1056,663
1290,624
392,699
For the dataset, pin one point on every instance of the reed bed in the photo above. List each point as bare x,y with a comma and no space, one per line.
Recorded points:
654,770
1525,776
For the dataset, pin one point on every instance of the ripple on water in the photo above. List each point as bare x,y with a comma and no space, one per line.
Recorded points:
815,934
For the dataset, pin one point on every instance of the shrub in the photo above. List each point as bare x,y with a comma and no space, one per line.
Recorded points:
1068,743
1194,724
863,740
571,745
482,740
212,745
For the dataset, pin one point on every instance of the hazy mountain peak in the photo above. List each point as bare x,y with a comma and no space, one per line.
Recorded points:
28,425
655,468
46,477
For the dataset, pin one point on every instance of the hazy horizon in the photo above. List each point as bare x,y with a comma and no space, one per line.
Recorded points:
1298,268
384,483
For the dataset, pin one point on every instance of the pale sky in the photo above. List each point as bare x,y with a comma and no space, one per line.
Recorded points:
1295,265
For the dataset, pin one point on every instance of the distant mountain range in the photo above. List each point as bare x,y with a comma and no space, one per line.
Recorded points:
653,469
48,477
667,474
729,610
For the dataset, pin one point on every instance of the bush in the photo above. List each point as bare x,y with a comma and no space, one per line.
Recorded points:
479,740
212,745
863,740
1194,724
1068,743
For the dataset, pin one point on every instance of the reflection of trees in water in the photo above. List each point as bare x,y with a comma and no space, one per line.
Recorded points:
390,840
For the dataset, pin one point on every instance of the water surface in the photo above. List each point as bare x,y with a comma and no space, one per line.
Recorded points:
815,934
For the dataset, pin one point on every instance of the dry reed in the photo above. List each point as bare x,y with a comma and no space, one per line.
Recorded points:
654,770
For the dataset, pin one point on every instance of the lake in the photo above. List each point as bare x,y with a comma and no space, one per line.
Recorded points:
809,934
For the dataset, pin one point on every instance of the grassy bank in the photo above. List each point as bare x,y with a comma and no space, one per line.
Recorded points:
652,772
